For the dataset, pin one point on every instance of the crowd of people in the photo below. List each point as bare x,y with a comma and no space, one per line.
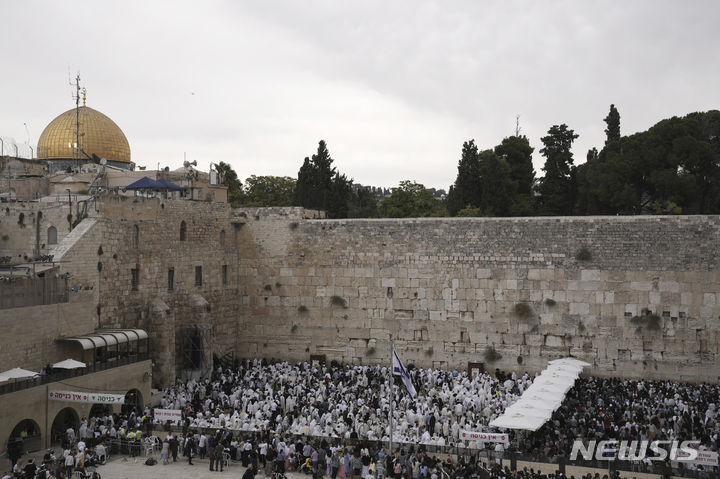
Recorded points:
276,417
352,402
624,410
344,401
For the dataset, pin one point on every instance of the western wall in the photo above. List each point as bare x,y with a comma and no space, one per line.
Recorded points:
450,289
282,283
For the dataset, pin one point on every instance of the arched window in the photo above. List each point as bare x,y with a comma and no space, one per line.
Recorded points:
222,237
52,235
183,230
136,236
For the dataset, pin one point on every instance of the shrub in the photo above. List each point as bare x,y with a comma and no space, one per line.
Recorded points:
647,319
583,254
519,359
338,301
550,302
293,328
293,225
302,309
5,237
268,287
523,310
277,285
429,351
581,327
491,355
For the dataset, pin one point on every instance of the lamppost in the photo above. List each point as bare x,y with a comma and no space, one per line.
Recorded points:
70,207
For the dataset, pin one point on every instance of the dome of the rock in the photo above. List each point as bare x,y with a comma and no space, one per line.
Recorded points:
99,135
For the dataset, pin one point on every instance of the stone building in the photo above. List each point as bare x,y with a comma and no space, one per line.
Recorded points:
192,284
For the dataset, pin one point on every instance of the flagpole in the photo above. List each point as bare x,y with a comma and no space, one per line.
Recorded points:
392,352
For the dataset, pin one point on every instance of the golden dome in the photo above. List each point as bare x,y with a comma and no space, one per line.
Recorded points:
101,137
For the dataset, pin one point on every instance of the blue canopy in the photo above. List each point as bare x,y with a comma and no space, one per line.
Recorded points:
169,185
145,183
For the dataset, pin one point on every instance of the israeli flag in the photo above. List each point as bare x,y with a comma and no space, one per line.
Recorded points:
399,370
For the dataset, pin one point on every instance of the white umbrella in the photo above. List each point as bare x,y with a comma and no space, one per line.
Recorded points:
16,373
68,364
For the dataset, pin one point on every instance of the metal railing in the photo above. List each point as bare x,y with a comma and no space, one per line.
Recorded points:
485,458
63,374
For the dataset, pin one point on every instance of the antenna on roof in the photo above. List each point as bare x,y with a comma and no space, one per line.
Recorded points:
76,97
517,125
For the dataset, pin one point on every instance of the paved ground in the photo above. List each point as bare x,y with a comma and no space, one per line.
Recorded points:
126,468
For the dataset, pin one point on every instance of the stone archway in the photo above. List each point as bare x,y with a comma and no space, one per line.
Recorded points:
100,410
133,402
25,436
65,418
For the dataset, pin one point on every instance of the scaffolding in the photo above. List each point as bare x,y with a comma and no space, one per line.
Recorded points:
194,345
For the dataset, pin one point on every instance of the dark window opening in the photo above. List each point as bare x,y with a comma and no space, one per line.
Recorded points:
183,231
52,235
135,281
224,274
171,279
136,236
198,275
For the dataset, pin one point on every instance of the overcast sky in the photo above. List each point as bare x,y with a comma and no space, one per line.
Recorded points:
394,87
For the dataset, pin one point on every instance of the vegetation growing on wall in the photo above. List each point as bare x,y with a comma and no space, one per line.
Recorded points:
338,301
491,355
647,319
523,310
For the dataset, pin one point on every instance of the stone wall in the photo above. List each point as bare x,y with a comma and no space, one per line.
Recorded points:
451,289
24,227
144,235
28,334
33,403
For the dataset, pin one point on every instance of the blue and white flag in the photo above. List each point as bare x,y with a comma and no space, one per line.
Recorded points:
399,370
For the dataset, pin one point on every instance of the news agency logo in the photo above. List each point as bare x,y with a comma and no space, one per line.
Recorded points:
612,450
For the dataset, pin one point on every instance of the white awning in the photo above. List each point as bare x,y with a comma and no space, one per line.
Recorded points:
107,337
544,396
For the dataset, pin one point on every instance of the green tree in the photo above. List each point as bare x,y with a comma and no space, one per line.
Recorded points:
269,191
411,200
229,178
338,199
556,188
320,186
363,203
466,189
517,152
612,132
497,189
673,167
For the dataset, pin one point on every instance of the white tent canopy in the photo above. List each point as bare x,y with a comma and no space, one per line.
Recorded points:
545,395
68,364
519,421
16,373
569,361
